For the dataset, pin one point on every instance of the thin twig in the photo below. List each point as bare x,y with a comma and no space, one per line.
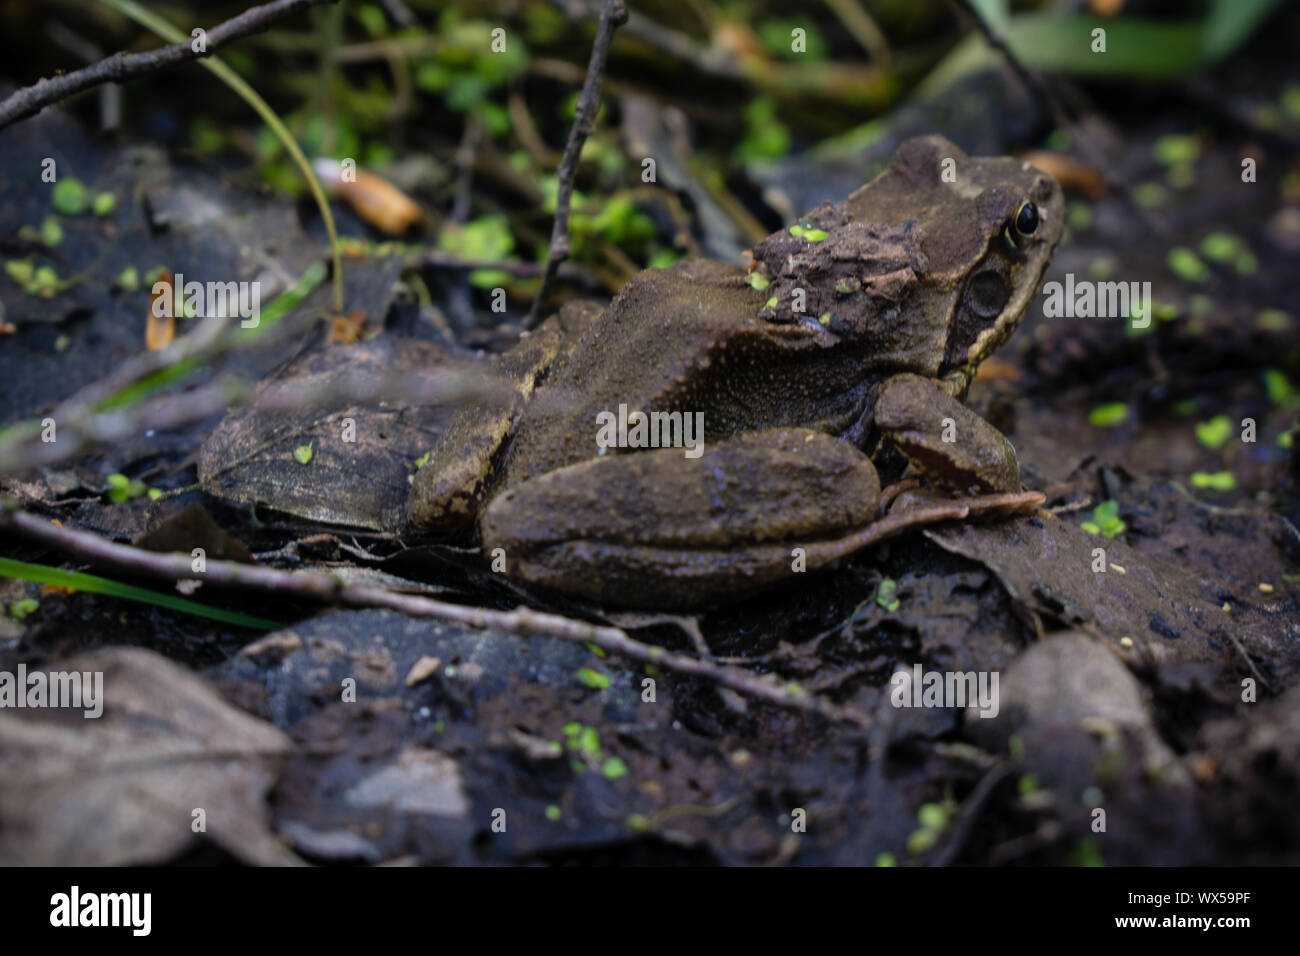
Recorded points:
329,588
1037,88
123,66
612,16
80,430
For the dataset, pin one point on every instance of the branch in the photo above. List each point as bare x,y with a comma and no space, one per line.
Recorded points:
613,15
325,587
123,66
81,428
1031,80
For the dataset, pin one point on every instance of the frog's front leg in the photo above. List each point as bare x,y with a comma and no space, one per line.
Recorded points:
943,438
447,493
654,527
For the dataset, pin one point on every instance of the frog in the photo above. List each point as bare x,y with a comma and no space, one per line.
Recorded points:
850,340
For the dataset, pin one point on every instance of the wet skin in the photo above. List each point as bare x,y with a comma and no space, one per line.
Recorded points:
905,288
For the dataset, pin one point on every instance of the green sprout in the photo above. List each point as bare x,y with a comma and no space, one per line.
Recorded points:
1215,481
592,679
1110,415
1105,520
887,594
69,196
1216,431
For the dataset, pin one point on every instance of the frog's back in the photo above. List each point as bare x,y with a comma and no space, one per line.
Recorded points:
690,339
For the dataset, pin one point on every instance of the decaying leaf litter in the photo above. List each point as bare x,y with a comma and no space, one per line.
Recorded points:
1123,686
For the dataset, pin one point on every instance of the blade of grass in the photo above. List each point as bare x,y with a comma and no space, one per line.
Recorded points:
44,574
151,21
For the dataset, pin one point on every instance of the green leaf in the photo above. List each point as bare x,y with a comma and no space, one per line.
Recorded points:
614,768
69,196
51,231
1222,246
1185,264
921,840
129,279
486,239
592,679
1216,431
302,454
20,270
588,741
887,594
932,816
1105,520
1176,149
766,137
121,488
1279,388
758,281
1230,22
20,609
1061,44
1217,481
1110,415
103,204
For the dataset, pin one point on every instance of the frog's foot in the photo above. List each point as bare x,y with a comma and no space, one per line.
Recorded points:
943,438
656,528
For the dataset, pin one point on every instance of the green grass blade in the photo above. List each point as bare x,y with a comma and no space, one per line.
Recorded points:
44,574
152,21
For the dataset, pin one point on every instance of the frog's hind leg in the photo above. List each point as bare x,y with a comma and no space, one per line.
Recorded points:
655,528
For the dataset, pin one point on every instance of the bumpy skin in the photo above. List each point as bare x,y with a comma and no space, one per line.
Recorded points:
915,282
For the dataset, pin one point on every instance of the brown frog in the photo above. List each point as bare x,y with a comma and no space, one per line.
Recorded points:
858,329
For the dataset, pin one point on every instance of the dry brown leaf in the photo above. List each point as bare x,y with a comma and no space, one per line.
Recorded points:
159,330
124,788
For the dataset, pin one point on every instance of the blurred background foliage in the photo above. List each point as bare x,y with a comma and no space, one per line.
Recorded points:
414,91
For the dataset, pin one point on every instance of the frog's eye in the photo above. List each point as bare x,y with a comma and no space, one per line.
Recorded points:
1026,220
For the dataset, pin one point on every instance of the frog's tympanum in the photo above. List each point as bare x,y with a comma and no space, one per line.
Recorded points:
855,331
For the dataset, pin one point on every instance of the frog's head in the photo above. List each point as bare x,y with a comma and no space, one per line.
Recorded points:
987,228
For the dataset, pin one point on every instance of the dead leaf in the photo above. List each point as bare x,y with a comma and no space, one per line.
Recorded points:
159,330
124,788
